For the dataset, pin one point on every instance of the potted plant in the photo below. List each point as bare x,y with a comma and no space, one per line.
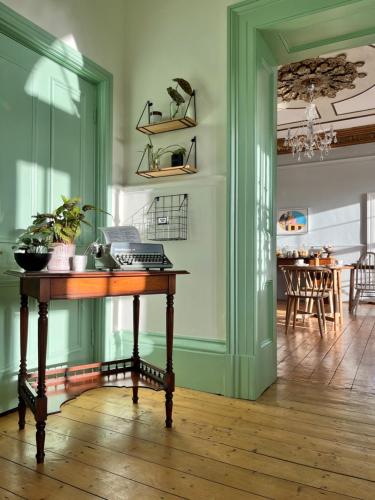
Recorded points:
61,228
154,156
32,251
178,157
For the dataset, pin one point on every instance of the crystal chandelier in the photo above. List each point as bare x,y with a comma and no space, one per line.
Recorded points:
308,139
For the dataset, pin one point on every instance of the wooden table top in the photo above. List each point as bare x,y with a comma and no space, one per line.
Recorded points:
323,266
45,286
95,273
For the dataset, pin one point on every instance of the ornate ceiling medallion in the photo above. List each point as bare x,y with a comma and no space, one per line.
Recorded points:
329,75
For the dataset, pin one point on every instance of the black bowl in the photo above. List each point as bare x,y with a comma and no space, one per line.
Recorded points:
32,261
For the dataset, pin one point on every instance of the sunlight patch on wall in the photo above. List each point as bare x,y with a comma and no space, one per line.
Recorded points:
62,182
38,83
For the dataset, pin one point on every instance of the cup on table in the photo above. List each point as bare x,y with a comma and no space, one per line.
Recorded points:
78,263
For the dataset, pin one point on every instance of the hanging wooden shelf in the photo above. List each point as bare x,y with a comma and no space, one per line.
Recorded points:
167,125
168,171
182,122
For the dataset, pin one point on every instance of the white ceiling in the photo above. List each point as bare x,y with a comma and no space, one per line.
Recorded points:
350,108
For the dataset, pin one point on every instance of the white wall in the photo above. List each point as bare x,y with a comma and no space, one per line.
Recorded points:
164,40
146,43
333,190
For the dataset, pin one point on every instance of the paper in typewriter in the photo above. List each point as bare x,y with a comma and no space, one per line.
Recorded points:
118,234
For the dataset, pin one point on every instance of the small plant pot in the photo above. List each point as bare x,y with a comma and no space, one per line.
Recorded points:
60,257
177,159
155,117
32,261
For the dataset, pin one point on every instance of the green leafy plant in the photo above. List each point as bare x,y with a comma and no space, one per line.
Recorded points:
180,151
175,94
31,243
63,225
155,155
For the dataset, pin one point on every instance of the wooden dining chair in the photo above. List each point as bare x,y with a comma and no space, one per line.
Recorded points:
308,284
364,284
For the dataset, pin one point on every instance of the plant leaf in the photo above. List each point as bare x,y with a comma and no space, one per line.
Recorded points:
176,96
185,85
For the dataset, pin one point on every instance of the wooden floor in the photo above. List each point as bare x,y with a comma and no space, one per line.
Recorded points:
298,441
345,359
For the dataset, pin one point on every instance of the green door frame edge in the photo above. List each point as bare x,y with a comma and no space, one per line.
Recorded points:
245,19
35,38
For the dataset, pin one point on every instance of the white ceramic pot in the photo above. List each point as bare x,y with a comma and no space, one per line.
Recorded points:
60,257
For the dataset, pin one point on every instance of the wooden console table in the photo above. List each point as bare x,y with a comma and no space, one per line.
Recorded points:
44,391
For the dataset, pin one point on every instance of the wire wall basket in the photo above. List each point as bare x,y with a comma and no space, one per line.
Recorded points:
165,219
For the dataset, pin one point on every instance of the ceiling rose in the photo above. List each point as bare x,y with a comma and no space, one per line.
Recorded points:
329,75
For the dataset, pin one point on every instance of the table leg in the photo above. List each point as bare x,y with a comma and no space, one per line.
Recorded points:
24,324
339,290
135,342
351,291
41,399
169,379
336,305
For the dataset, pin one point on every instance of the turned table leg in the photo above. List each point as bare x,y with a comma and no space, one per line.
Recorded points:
41,399
336,300
169,380
135,343
351,290
24,323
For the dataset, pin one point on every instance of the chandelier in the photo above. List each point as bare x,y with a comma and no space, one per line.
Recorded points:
308,138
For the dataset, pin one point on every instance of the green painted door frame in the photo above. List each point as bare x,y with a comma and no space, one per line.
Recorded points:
35,38
259,31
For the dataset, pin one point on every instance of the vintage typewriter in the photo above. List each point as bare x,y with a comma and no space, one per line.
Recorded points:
128,256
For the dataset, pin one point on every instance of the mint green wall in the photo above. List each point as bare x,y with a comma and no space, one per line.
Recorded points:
48,144
289,30
95,28
65,145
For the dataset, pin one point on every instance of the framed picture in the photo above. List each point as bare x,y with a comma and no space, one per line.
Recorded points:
292,221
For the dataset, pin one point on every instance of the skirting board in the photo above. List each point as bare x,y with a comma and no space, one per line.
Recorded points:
199,364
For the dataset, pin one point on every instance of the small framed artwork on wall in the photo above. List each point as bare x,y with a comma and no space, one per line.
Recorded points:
292,221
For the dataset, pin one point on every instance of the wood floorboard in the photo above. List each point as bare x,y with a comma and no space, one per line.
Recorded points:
220,448
25,481
342,359
8,495
310,435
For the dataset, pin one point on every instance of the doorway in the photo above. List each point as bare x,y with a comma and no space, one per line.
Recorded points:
261,38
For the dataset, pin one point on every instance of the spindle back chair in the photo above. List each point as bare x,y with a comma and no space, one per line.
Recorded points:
310,284
364,283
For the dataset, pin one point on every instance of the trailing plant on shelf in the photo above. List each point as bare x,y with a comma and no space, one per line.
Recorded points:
177,98
154,156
